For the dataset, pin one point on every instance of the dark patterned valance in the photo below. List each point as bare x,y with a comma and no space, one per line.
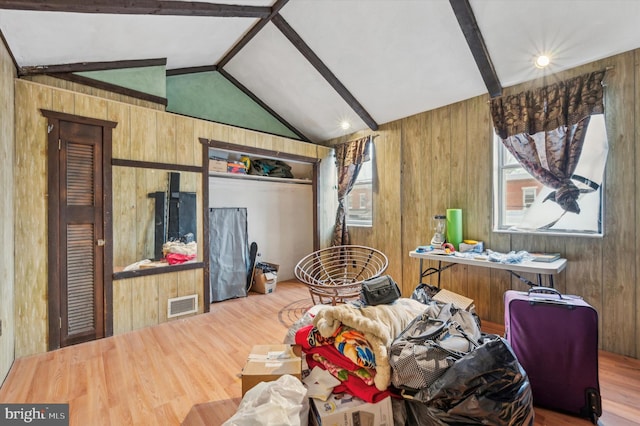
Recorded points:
353,152
561,104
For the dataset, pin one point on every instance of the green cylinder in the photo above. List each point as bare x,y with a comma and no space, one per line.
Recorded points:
454,227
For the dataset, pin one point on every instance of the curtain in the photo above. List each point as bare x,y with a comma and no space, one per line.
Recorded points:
544,130
349,159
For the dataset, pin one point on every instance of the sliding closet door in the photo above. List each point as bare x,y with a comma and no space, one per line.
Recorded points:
229,253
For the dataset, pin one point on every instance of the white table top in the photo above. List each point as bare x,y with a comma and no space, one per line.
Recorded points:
546,268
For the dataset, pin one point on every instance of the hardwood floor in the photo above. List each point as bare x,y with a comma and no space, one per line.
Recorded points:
154,376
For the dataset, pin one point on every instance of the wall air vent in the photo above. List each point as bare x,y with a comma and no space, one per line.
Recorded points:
184,305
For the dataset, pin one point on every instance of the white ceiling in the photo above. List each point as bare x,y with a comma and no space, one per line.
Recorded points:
396,57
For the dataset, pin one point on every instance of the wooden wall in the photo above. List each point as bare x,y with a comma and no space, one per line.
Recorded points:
88,90
7,74
443,159
142,134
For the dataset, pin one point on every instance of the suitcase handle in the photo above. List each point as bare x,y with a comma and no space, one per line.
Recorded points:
545,290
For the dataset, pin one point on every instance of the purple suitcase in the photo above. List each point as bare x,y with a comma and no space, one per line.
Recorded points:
555,338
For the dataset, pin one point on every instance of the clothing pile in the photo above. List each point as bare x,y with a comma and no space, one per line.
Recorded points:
351,342
176,252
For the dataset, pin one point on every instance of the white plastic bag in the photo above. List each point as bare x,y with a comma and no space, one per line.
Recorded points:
282,402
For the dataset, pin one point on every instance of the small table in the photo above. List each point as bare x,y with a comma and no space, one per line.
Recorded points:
548,269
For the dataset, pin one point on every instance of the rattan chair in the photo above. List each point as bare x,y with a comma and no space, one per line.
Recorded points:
336,273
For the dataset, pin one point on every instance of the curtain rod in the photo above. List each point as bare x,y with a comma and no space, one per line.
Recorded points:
607,68
349,141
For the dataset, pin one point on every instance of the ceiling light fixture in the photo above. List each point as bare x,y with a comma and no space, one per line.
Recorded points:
345,125
542,61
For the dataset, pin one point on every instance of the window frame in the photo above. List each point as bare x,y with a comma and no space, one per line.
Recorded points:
500,193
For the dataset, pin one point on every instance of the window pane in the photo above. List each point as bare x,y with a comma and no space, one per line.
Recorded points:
360,199
524,204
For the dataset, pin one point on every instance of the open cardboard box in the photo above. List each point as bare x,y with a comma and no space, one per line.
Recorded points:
265,282
267,363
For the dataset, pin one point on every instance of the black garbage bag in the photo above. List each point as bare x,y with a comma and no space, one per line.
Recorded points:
488,386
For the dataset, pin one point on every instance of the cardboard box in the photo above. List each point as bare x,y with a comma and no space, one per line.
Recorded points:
217,165
267,363
265,282
347,410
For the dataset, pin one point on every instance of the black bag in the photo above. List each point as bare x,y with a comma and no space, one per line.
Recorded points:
379,291
486,386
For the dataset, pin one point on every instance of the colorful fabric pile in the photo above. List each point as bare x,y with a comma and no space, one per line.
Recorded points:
351,343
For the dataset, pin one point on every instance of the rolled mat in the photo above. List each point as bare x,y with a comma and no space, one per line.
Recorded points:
454,227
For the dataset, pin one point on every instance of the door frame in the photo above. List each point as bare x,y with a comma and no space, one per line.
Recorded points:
249,150
53,222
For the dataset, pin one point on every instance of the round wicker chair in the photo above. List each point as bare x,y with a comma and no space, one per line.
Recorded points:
336,273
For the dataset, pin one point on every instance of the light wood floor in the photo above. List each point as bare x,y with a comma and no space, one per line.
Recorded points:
155,376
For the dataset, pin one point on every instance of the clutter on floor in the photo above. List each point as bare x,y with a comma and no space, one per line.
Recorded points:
410,361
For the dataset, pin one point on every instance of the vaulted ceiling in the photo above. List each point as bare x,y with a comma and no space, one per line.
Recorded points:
316,63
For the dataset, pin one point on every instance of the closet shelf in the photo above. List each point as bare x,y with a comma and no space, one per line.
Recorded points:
261,178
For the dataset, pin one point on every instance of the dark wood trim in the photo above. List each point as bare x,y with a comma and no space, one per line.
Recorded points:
324,71
152,165
107,139
275,9
77,119
192,70
259,101
211,143
140,7
159,270
255,151
469,25
102,85
316,203
6,45
205,225
53,240
91,66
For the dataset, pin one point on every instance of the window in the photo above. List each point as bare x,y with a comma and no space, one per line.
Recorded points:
522,204
360,199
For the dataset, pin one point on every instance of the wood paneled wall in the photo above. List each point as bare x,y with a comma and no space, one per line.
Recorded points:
142,134
7,74
443,159
88,90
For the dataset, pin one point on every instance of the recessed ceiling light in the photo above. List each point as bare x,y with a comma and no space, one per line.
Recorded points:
542,61
345,125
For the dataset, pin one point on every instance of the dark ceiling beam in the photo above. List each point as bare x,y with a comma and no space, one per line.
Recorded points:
324,71
251,33
262,104
139,7
471,31
6,45
91,66
192,70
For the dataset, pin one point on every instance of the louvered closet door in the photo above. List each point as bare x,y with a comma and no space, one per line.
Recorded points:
81,233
